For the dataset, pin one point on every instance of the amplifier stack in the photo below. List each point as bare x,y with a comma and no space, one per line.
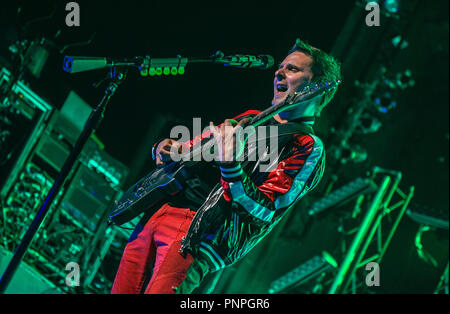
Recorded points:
35,140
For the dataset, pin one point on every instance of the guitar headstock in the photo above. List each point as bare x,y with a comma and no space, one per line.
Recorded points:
311,90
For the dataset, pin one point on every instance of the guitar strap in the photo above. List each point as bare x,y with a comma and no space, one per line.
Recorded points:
294,128
288,128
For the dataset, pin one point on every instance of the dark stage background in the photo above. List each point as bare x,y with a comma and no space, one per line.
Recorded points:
413,136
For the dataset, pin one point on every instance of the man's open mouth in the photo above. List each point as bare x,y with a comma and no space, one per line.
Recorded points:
282,88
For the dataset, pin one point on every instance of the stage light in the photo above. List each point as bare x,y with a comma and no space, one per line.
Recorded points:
404,79
353,153
392,6
389,8
346,153
340,196
384,102
384,97
399,42
303,273
367,124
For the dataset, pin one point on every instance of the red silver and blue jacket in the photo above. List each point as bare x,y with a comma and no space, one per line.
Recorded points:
248,203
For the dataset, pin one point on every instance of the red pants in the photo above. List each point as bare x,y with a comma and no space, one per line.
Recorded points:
152,256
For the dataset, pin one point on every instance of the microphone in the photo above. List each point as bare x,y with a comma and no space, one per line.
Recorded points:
247,61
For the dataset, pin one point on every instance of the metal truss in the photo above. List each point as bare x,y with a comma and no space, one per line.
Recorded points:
370,234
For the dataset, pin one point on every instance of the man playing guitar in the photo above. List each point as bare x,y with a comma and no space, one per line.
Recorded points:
173,250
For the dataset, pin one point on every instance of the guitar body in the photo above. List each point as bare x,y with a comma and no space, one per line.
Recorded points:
150,191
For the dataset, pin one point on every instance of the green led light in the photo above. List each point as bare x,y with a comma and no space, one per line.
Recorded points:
144,72
158,71
166,71
181,70
152,71
173,71
396,40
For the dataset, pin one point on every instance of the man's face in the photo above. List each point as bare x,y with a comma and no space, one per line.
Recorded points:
292,75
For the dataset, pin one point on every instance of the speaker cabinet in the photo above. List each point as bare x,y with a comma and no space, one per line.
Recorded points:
26,280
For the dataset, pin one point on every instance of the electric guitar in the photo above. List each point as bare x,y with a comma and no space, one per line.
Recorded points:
161,183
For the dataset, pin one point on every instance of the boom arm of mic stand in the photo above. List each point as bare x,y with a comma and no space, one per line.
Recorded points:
117,77
76,64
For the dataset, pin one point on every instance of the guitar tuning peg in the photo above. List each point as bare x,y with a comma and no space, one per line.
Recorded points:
288,98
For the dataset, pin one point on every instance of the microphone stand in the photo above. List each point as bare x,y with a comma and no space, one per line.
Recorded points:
116,77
